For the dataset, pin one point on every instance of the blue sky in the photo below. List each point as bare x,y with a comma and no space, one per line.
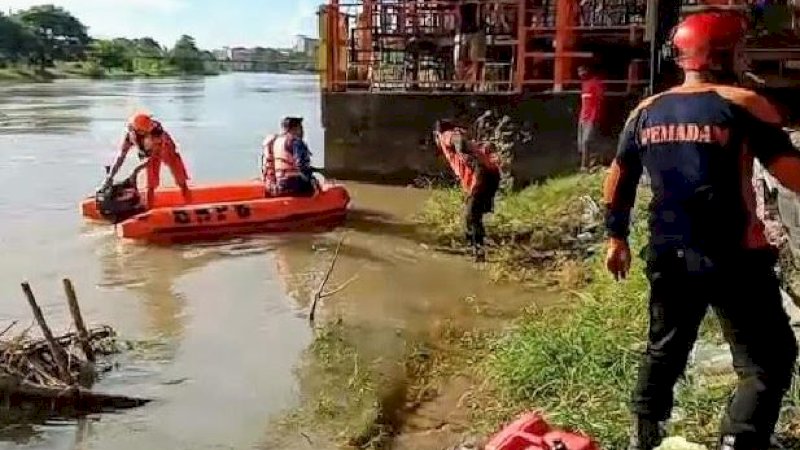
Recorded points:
214,23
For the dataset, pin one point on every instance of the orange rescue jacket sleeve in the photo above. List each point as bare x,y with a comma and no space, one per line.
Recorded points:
786,168
766,139
619,189
124,148
771,144
468,152
127,142
460,143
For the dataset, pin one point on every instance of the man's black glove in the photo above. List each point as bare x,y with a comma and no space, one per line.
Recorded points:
107,182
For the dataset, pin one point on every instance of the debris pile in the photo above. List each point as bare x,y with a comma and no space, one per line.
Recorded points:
582,239
54,374
498,131
504,136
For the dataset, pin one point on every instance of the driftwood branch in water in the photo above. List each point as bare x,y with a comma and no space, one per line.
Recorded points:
59,355
321,293
74,398
38,375
339,288
77,319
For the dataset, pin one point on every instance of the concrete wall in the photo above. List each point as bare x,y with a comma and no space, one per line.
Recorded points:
387,137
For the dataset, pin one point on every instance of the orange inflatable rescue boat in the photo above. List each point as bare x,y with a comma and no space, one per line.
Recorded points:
216,211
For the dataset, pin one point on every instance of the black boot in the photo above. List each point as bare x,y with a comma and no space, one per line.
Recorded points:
470,240
479,253
646,434
733,442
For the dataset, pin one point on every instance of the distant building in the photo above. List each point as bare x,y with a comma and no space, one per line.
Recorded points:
306,45
262,59
243,59
222,54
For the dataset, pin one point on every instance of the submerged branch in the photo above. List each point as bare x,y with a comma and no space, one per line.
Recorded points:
8,328
340,288
321,292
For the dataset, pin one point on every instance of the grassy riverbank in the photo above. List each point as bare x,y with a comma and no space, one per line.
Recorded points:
23,73
533,234
576,360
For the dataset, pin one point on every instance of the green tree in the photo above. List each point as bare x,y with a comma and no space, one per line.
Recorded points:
112,54
60,36
186,56
16,41
148,47
150,57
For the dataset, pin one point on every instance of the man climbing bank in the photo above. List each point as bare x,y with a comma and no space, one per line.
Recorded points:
155,147
707,245
286,162
479,172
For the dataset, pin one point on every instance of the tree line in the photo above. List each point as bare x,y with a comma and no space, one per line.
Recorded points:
42,36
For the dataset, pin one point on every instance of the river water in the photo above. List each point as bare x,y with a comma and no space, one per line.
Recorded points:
221,327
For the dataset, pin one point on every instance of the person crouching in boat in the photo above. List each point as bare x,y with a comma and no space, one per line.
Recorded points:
479,173
286,162
155,147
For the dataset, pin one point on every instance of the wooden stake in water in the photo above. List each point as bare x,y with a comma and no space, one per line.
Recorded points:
77,319
58,352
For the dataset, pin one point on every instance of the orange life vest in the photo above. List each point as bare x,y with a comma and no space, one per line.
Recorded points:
154,143
277,160
461,164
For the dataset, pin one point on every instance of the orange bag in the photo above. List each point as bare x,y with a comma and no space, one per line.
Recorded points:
532,432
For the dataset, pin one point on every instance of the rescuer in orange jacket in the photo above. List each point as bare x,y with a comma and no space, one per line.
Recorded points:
155,147
479,174
707,246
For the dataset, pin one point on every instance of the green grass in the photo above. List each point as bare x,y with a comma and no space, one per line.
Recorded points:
577,361
531,222
24,74
352,400
536,215
87,69
339,391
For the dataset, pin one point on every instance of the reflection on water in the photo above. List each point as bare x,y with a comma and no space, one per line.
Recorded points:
215,337
130,268
218,327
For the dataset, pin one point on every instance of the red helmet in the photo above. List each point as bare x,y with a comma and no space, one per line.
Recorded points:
700,36
142,123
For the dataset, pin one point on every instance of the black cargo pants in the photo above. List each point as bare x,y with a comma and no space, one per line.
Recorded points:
744,292
479,203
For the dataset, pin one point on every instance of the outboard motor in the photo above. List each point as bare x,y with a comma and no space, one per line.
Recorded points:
120,201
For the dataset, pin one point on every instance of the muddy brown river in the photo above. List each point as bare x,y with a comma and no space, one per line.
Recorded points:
220,328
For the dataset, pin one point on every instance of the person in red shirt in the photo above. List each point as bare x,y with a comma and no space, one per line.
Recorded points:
592,96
